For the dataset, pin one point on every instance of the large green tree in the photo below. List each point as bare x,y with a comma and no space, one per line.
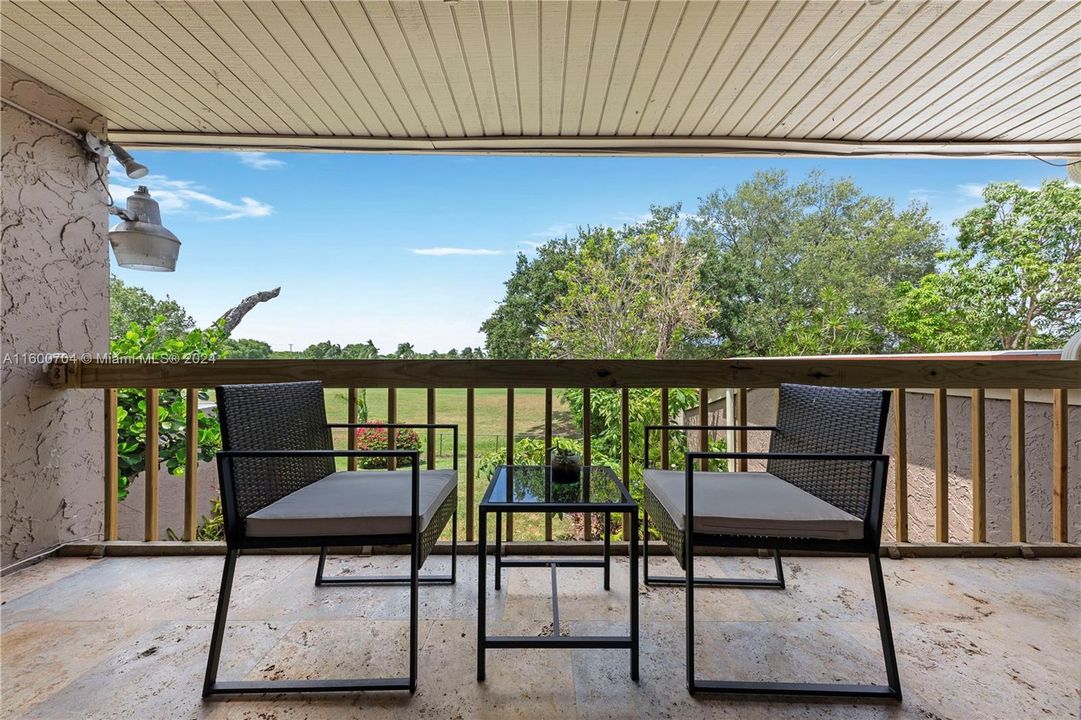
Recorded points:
129,304
247,349
631,293
1012,282
361,351
806,267
532,290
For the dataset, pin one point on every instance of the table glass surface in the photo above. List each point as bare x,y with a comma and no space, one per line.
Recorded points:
532,484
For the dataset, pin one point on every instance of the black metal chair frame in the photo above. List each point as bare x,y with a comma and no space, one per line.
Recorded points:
237,540
321,579
869,545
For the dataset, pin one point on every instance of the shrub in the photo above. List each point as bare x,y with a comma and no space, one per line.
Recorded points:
375,438
150,342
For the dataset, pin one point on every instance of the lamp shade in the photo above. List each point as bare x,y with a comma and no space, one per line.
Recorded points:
1073,171
140,242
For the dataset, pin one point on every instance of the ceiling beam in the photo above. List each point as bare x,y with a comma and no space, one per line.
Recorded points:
672,146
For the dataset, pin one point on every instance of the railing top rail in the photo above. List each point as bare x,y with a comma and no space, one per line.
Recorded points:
879,371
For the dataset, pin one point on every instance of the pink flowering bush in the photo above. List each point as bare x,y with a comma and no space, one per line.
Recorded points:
376,438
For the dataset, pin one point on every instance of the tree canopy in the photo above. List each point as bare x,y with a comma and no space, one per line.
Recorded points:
631,293
129,304
773,267
1012,282
807,267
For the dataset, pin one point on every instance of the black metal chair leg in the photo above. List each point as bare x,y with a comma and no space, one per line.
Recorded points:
322,564
774,583
840,691
218,633
893,678
414,604
321,579
645,547
454,547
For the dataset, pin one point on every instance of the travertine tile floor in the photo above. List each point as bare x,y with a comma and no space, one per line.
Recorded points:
127,638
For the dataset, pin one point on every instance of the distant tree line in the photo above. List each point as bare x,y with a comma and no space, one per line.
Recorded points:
130,305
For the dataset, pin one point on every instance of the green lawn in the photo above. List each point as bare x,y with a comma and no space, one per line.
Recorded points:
490,433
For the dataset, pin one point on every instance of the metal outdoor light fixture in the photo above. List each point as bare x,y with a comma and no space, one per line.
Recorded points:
1073,171
140,242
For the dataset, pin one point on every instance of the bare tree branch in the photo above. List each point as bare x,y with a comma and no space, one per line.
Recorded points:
233,316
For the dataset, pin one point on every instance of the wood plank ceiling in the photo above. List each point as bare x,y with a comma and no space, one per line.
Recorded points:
579,76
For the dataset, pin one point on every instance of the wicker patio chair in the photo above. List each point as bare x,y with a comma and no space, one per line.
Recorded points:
823,490
280,489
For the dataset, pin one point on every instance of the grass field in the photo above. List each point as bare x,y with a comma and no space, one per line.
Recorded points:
490,433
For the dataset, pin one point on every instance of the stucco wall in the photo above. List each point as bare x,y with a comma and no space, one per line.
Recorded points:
54,267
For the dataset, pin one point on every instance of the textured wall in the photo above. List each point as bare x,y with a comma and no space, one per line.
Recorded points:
55,272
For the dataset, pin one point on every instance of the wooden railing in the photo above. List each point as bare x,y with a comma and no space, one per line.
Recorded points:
936,373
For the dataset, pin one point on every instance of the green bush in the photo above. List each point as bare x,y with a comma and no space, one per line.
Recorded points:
147,343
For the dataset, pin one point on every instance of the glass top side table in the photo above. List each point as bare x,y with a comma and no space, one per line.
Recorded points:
530,489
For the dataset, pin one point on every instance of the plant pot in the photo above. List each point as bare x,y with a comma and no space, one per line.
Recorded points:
566,474
566,469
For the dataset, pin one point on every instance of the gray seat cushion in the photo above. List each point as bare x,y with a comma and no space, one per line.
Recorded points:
371,502
751,503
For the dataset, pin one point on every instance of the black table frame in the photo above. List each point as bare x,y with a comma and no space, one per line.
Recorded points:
624,642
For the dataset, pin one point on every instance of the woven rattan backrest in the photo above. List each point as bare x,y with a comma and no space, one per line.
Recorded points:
814,419
281,416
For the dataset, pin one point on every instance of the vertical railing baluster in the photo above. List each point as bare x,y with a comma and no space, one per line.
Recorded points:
150,472
431,431
1060,423
470,460
900,463
741,419
191,465
979,467
392,418
942,468
625,450
547,454
1017,464
510,453
587,452
110,529
664,433
703,419
351,417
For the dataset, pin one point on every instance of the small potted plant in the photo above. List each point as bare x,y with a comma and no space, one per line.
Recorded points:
566,466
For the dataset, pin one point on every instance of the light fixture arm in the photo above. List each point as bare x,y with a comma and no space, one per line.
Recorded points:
104,148
122,213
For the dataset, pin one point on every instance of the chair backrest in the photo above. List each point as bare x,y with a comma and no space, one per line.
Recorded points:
815,419
278,416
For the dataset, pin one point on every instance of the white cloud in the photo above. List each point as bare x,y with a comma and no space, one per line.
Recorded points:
258,159
971,190
185,197
444,251
557,230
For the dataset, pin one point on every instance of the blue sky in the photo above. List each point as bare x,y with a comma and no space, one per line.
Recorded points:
416,248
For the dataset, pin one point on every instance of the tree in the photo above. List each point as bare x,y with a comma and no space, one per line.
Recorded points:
809,267
631,293
361,351
246,349
129,304
1013,282
232,317
325,350
532,290
405,351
